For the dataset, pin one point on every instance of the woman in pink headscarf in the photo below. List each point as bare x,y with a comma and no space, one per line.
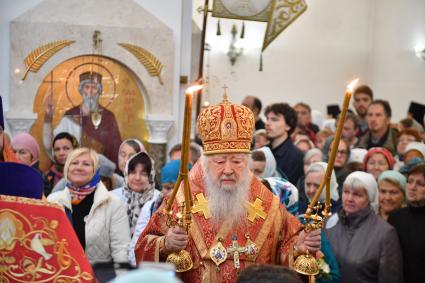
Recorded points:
26,149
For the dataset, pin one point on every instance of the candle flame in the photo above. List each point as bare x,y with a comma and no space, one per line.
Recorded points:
194,88
351,86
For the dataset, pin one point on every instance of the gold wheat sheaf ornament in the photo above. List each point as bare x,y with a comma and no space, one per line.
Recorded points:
151,63
40,55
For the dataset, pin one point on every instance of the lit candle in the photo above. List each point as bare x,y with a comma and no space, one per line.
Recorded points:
331,159
184,163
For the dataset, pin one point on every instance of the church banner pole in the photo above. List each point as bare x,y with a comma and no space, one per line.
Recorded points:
201,56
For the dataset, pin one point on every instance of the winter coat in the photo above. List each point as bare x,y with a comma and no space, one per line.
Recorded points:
142,221
107,230
366,247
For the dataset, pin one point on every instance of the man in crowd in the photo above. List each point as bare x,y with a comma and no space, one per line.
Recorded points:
236,220
304,120
363,97
380,133
281,122
350,129
254,103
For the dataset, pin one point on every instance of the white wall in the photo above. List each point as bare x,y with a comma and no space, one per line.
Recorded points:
8,11
172,13
333,42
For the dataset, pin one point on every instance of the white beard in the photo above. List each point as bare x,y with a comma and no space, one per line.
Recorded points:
90,102
227,202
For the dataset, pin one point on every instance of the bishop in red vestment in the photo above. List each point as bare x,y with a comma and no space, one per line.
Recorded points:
237,221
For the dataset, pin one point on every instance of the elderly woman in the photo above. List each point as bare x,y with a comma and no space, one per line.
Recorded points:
391,186
313,178
263,163
366,247
99,218
127,149
63,143
312,156
26,149
378,160
138,195
409,223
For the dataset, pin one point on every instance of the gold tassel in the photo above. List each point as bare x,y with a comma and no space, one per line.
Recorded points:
311,279
243,29
261,62
218,28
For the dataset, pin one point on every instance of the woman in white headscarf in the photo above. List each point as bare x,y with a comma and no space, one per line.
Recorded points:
366,247
263,163
313,178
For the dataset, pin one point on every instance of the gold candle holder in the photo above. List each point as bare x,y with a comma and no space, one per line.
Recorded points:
182,259
306,264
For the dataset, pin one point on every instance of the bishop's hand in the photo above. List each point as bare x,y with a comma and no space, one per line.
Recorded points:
310,241
176,239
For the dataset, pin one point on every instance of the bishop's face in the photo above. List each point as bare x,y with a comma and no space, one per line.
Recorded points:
227,169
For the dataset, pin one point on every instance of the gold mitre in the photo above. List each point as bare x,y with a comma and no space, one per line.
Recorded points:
226,128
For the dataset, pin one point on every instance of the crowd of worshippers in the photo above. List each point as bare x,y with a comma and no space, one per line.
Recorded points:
377,187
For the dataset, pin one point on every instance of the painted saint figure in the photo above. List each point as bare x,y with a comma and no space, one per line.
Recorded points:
79,121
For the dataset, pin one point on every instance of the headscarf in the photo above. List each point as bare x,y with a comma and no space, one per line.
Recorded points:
395,177
136,200
418,146
157,274
80,193
28,142
312,152
142,147
321,167
170,171
357,155
286,191
412,164
385,152
360,179
270,167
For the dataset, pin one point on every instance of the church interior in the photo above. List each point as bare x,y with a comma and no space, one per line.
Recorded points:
112,79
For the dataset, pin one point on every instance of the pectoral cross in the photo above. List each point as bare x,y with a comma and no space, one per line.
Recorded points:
201,205
236,250
256,210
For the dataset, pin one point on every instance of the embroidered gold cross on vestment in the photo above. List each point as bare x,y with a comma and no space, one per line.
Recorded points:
256,210
201,205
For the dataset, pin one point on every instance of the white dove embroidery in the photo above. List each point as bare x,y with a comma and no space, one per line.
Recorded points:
37,246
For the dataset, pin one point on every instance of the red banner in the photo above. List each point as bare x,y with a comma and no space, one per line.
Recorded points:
38,244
